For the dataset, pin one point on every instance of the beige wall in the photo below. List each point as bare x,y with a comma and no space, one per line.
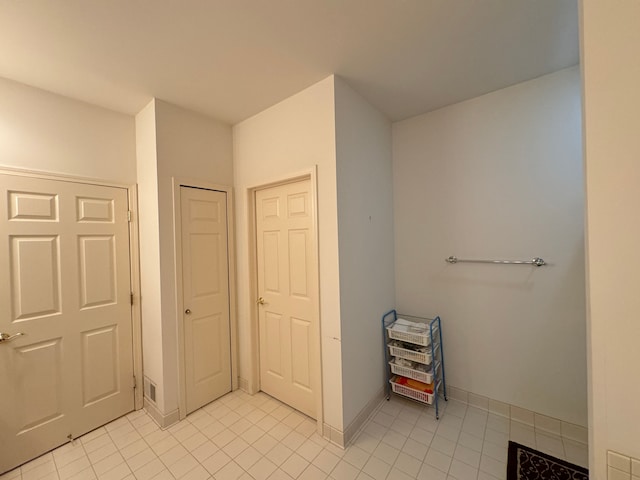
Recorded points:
499,176
365,233
148,228
292,137
172,142
50,133
611,79
189,146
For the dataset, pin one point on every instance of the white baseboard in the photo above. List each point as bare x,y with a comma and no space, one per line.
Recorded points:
163,420
362,417
342,438
334,435
243,384
555,426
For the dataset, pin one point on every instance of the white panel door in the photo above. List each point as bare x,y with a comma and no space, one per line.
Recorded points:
64,261
205,282
288,290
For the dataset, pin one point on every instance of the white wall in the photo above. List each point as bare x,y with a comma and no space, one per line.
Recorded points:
47,132
365,232
284,140
189,145
171,142
499,176
611,75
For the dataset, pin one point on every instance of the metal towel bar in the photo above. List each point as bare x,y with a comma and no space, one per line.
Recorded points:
537,261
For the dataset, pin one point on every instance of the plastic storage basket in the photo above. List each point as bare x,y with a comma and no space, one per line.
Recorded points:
419,338
420,357
423,397
425,377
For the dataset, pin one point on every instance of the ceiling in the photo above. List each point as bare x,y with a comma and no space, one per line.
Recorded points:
231,59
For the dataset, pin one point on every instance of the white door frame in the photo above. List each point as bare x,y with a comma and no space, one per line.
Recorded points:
231,263
254,384
134,260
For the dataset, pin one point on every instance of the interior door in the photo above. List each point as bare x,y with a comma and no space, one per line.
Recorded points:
64,262
205,281
288,294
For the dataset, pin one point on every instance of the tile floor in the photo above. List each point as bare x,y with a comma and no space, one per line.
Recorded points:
243,437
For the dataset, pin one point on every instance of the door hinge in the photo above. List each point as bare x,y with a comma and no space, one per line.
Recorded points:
128,215
131,298
135,382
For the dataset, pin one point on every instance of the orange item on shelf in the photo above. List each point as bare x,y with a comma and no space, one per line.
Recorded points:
415,384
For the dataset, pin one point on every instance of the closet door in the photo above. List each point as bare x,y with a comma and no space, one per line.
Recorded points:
205,281
66,362
288,290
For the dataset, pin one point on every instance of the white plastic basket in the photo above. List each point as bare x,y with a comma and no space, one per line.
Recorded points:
424,377
418,338
419,357
423,397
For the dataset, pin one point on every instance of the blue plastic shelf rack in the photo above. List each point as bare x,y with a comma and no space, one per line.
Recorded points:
402,345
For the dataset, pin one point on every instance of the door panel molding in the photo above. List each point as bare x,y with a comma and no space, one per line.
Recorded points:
180,306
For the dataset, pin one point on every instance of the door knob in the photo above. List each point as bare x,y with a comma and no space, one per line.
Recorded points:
187,311
260,301
7,337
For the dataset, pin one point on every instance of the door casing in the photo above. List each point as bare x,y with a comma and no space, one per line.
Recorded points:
177,236
254,381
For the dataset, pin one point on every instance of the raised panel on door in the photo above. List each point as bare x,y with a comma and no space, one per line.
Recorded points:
100,364
298,263
205,282
301,348
95,210
269,207
59,272
271,329
298,204
98,270
287,281
270,253
32,206
210,362
205,271
34,276
39,395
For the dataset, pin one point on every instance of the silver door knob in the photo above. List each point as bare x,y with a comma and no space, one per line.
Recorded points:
7,337
187,311
260,301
